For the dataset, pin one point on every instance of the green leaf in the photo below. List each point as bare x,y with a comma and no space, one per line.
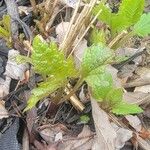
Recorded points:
114,96
119,23
93,70
105,15
101,83
48,60
96,56
124,109
84,119
129,13
142,27
97,36
132,10
43,90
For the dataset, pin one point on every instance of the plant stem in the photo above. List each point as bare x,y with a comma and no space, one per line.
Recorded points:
78,84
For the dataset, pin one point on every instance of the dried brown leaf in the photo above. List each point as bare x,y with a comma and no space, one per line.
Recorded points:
13,69
135,122
123,135
106,134
136,97
83,141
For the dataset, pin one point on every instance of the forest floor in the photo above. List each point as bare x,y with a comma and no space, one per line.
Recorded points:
37,111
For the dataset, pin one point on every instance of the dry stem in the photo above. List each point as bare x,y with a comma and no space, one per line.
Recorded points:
77,27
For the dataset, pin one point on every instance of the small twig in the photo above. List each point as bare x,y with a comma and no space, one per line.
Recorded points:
119,66
123,40
59,109
15,107
117,38
17,85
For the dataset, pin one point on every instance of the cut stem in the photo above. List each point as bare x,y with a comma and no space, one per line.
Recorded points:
73,90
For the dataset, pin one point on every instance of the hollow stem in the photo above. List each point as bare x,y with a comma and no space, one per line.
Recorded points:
78,84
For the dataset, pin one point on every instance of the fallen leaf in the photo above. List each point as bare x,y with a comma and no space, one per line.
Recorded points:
143,143
136,97
147,110
123,135
13,69
58,137
83,141
106,134
44,146
127,71
25,140
134,121
49,132
143,73
4,86
144,89
128,52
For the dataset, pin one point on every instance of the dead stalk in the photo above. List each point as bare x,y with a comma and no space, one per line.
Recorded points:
33,4
91,23
71,24
117,38
50,6
74,100
77,28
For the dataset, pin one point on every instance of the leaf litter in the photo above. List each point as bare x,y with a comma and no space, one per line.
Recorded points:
62,51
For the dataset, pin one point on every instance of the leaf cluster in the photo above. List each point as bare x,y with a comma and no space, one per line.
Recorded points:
130,15
94,70
52,65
